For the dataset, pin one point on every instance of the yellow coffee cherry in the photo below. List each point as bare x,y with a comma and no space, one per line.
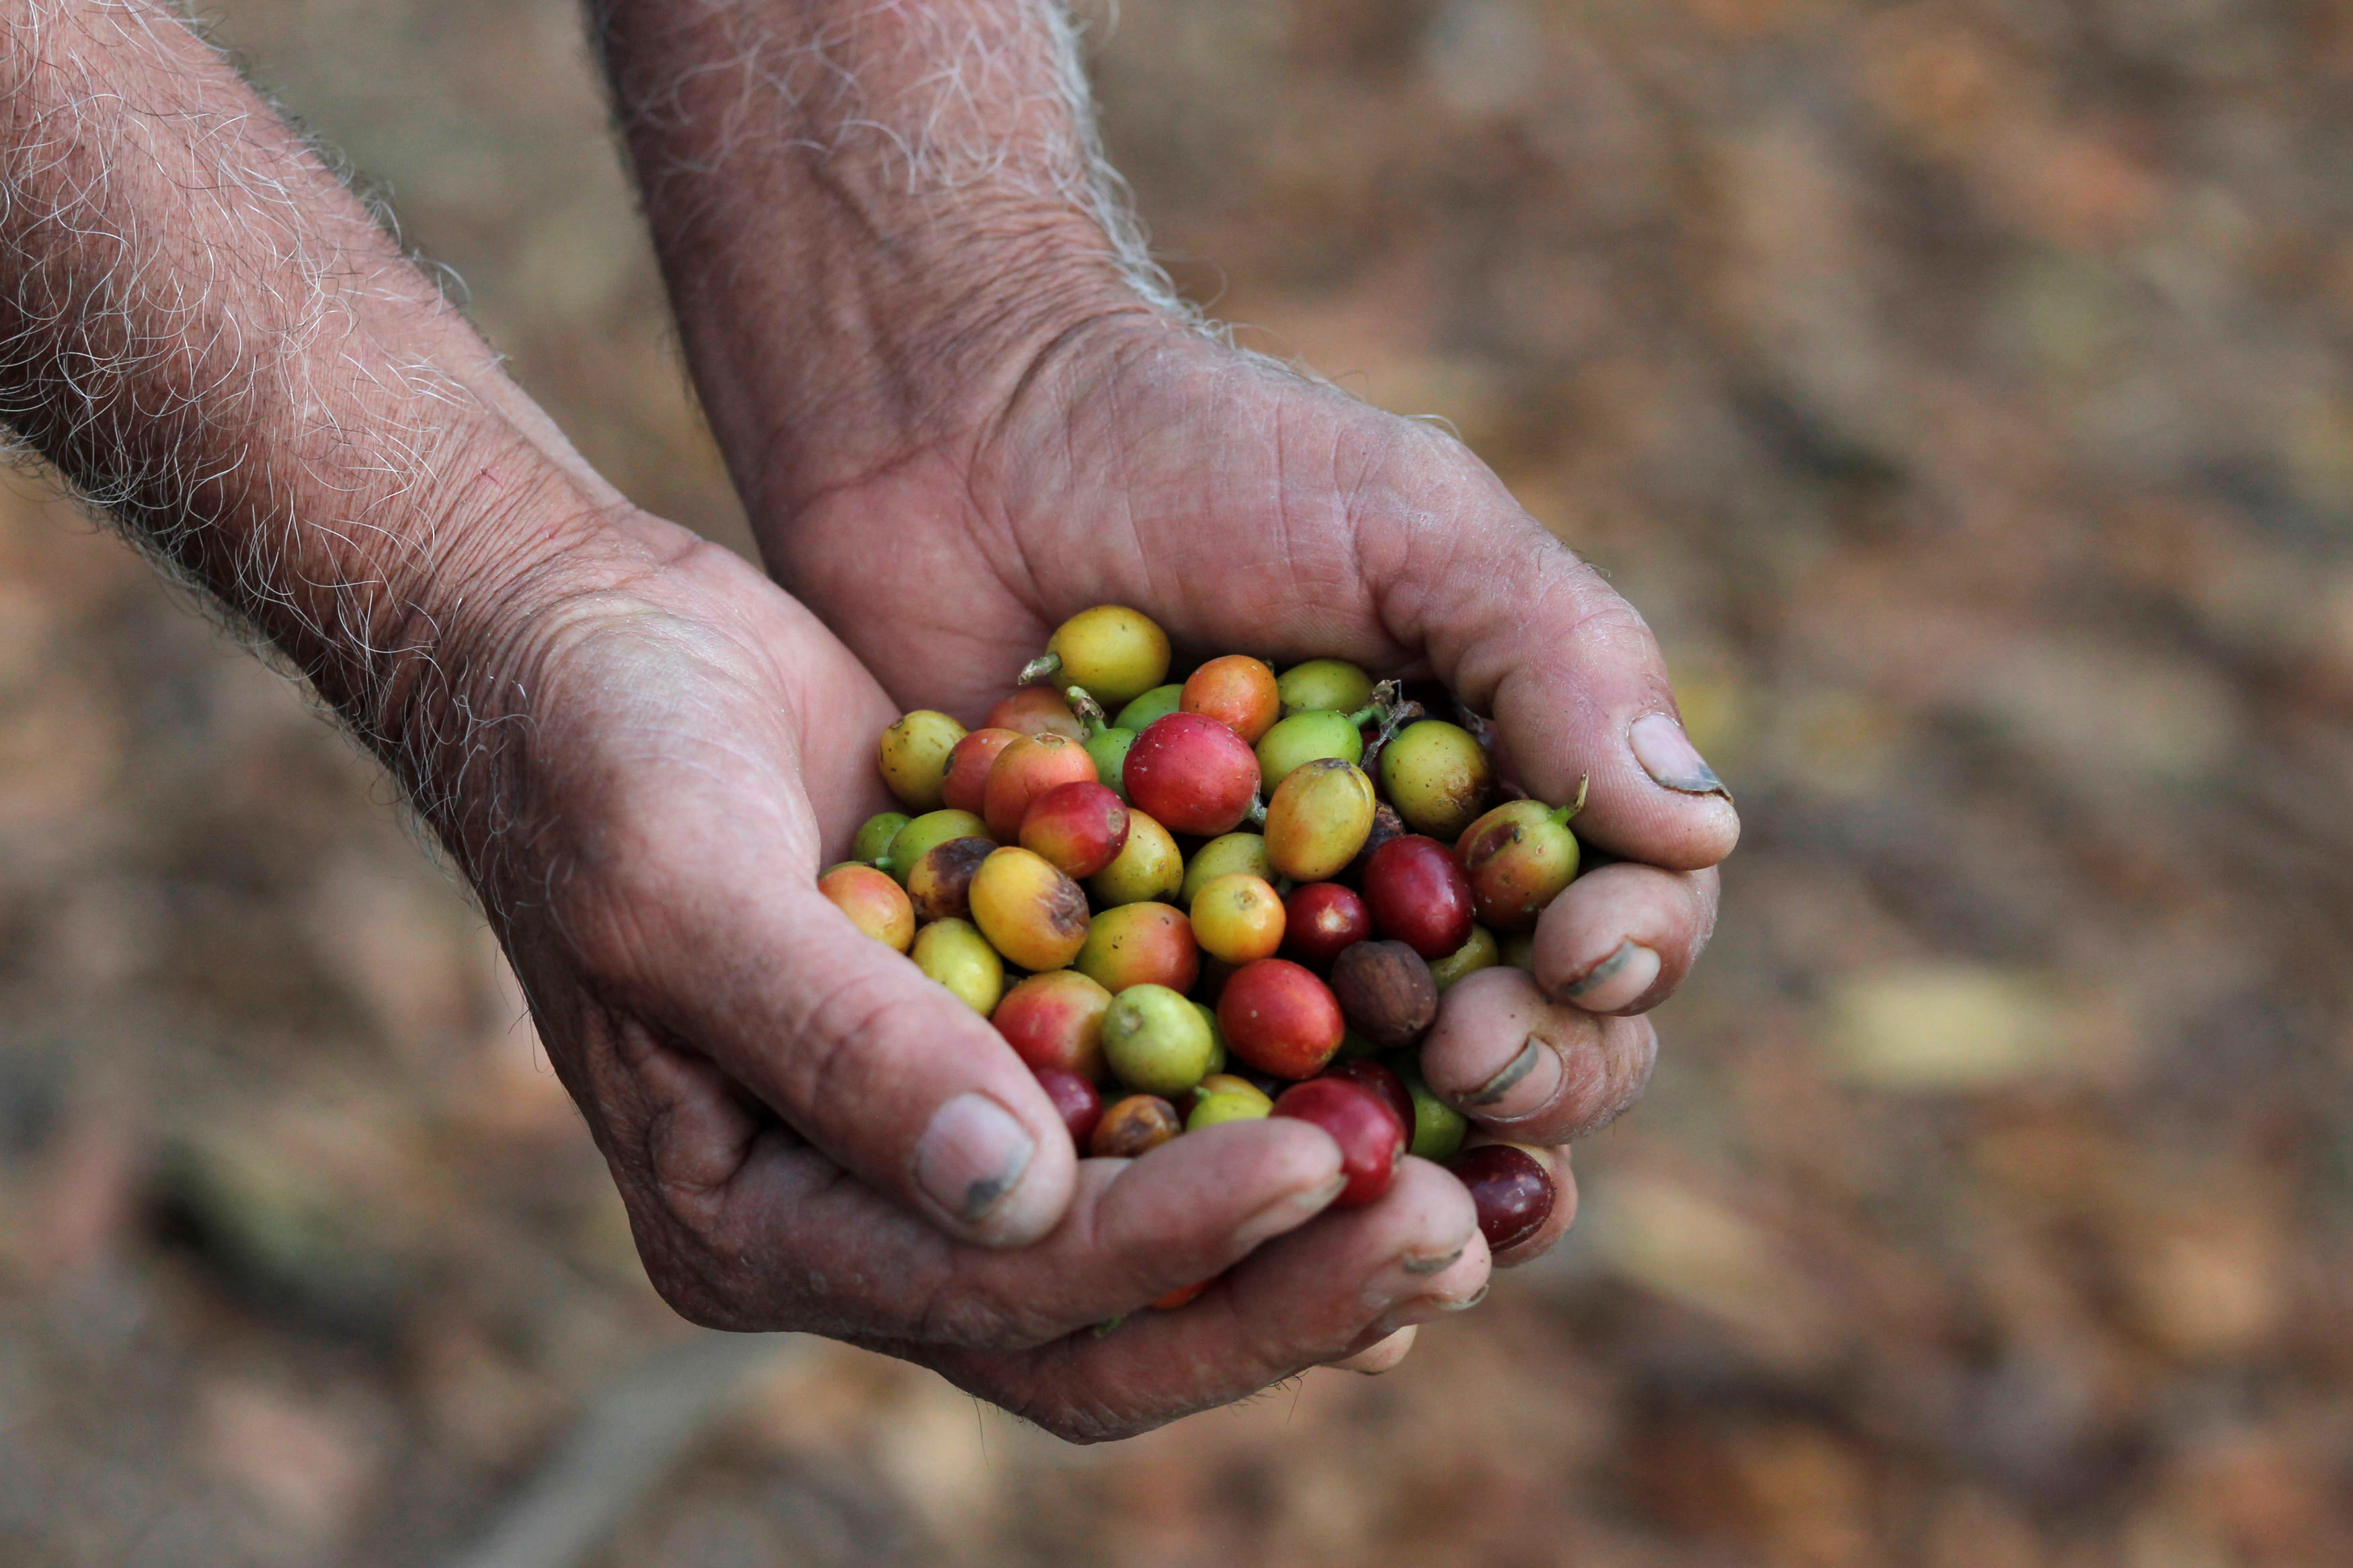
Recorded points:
913,757
955,953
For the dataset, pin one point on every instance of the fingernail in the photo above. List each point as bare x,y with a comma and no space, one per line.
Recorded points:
1405,1313
1287,1213
1617,981
972,1156
1667,754
1528,1084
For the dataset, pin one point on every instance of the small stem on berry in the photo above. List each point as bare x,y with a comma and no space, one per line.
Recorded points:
1561,816
1040,668
1399,716
1088,710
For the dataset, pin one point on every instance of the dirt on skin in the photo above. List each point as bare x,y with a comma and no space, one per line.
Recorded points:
1961,390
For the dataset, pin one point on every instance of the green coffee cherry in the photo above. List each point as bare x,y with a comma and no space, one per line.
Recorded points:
1304,738
874,835
1156,703
1438,1128
1155,1041
1479,952
1324,685
1109,750
1437,775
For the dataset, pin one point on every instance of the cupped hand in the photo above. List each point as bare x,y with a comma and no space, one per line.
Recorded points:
807,1132
1136,461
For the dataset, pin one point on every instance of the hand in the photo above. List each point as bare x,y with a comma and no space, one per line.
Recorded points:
1134,461
807,1133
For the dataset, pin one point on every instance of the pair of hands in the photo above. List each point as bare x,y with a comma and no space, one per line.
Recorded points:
810,1135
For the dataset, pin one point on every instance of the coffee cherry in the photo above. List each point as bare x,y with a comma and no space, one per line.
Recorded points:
1437,775
874,903
1037,711
1386,992
955,955
1148,866
1210,1109
1229,852
1157,703
1140,944
1217,1035
1319,919
1194,774
1075,1100
1436,1129
967,786
1183,1296
1155,1041
1419,896
1107,749
1366,1072
1318,820
1324,685
1478,952
927,833
1080,827
1519,951
874,835
1304,738
1238,691
940,884
1236,916
913,757
1029,912
1115,652
1511,1189
1518,858
1136,1125
1054,1021
1026,770
1232,1084
1371,1141
1280,1018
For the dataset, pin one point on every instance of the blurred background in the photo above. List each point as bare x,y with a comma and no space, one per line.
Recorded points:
1962,387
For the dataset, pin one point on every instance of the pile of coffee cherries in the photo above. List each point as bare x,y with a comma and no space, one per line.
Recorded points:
1239,895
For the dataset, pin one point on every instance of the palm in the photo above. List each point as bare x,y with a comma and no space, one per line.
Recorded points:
949,569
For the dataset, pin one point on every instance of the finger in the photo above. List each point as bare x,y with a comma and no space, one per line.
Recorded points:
1555,1161
1621,938
744,1226
1382,1354
1528,1068
1300,1302
1521,628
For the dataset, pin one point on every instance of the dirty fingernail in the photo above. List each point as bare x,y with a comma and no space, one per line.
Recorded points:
1617,981
973,1156
1527,1083
1667,754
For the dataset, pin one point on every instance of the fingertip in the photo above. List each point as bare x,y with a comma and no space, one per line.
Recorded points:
992,1176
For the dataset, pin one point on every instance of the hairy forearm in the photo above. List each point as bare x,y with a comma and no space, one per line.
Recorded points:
210,337
872,214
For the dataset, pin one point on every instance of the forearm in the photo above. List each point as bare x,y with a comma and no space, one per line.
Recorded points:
207,334
872,214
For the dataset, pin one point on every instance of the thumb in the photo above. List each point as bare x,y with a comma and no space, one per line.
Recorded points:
878,1066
